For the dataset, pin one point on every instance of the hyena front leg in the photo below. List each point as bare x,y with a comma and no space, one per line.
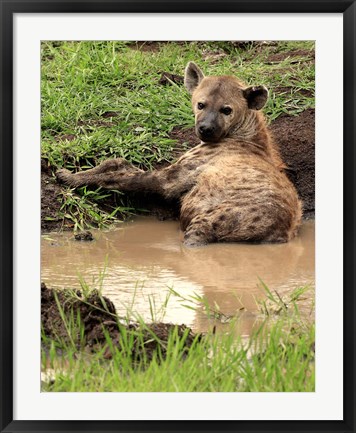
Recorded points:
171,182
94,176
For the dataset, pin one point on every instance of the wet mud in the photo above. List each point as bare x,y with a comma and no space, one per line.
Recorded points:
98,317
296,139
50,199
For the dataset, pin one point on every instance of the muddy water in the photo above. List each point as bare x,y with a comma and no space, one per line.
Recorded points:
141,258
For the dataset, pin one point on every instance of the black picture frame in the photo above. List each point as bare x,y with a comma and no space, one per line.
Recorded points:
8,9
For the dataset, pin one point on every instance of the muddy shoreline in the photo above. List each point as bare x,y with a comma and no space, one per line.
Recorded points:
99,321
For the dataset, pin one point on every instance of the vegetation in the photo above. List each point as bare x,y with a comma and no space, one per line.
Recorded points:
278,356
104,100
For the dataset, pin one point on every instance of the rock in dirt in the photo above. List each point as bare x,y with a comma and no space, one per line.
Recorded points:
86,236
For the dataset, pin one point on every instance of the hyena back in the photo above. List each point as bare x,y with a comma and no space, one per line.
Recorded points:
232,186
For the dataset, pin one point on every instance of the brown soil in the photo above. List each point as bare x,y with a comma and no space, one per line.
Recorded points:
279,57
50,203
110,114
148,46
296,138
98,316
167,79
65,137
184,136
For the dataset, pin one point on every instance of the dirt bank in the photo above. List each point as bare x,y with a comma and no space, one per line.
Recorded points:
50,200
296,139
98,316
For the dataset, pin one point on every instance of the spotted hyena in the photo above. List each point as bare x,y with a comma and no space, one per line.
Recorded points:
232,186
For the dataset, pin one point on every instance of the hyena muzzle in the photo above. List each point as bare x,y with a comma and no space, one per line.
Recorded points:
232,187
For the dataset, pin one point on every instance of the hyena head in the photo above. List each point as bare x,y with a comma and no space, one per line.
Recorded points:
220,104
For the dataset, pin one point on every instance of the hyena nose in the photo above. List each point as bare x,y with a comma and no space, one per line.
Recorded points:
206,131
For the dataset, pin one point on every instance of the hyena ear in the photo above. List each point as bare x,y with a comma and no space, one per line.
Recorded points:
256,97
192,76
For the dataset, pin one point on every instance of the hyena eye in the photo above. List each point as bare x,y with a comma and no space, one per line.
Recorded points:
200,105
226,110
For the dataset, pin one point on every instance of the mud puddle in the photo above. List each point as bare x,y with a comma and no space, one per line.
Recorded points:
136,262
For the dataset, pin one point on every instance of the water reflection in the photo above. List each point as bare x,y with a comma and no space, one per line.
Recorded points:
145,256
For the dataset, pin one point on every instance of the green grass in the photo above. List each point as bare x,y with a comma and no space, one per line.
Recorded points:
82,81
85,208
282,361
278,357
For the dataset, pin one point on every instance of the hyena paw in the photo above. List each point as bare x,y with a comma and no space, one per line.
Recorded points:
64,176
